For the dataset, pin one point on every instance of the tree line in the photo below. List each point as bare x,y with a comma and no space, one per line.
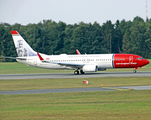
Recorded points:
49,37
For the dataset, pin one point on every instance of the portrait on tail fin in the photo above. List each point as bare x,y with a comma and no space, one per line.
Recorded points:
22,47
21,51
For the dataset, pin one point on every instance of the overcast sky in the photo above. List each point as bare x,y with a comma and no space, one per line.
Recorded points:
72,11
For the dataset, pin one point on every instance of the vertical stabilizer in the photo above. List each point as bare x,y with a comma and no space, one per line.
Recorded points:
22,47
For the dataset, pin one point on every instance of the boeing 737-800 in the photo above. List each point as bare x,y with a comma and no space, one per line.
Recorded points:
83,63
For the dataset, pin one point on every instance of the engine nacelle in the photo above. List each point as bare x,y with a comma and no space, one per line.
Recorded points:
90,68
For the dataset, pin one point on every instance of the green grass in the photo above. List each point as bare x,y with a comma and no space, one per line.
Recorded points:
18,68
107,105
102,105
32,84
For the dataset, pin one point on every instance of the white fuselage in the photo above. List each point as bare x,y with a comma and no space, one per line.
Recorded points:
101,60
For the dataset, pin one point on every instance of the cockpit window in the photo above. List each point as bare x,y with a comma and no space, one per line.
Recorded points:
140,58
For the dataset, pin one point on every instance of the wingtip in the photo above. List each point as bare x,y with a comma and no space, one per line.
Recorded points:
78,53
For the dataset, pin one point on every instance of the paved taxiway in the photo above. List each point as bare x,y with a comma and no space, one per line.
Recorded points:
71,75
74,90
54,90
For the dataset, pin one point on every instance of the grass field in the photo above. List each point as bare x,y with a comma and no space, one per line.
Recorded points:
103,105
33,84
107,105
18,68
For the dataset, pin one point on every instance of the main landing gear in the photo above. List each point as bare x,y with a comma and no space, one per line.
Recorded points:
76,72
81,71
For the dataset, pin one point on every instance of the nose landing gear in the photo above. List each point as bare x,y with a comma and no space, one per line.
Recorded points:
134,71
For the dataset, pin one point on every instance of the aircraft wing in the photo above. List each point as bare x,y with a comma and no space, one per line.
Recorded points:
19,58
73,65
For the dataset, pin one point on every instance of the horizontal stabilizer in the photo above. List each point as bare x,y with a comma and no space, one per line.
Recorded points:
19,58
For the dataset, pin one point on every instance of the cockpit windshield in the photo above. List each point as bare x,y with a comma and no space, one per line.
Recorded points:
140,58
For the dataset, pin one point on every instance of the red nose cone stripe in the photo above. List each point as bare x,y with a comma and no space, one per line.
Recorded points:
147,62
128,61
14,32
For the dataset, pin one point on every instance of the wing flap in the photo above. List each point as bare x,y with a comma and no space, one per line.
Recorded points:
71,65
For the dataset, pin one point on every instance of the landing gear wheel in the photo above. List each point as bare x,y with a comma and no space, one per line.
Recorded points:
134,71
81,71
76,72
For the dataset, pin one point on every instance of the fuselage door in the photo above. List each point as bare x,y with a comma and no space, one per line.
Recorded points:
131,59
35,62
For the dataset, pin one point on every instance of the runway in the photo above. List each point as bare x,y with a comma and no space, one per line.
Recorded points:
74,90
71,75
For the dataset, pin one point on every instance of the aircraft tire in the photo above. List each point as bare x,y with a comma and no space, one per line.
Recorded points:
81,71
134,71
76,72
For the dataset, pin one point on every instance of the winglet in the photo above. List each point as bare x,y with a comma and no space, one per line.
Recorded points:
40,56
78,53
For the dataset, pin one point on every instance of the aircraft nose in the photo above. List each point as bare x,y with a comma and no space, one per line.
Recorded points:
146,62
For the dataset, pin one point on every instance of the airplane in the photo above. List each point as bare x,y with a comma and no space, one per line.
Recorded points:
78,63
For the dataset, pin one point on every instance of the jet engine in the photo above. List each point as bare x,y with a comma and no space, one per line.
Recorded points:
90,68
